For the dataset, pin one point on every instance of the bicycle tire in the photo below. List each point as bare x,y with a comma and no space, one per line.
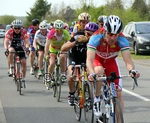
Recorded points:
19,84
113,114
77,109
55,83
58,84
87,103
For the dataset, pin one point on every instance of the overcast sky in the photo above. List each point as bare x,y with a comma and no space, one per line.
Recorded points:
20,7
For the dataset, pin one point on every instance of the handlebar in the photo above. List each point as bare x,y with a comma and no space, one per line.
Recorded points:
113,77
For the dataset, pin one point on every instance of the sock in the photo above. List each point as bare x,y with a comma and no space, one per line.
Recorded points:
97,99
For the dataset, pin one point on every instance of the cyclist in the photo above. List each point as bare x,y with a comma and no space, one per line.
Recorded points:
31,32
77,53
102,52
39,44
83,18
101,20
16,39
55,39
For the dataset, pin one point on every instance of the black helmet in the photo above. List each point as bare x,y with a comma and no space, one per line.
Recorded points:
102,18
35,22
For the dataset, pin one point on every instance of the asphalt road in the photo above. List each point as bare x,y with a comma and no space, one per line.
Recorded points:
37,105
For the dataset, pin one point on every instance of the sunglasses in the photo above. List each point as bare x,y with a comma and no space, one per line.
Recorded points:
17,28
110,34
59,29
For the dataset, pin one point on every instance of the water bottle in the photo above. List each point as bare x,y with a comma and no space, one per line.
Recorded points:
107,108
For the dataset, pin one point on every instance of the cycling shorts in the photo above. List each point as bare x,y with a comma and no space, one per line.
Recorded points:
110,66
22,55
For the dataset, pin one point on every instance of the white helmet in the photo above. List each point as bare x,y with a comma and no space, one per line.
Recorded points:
84,16
59,24
113,24
43,25
17,23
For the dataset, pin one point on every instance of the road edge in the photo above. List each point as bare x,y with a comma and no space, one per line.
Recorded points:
2,115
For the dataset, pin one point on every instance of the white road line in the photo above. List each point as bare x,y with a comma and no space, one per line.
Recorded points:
2,115
136,95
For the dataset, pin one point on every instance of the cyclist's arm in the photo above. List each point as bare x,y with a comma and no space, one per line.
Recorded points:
127,59
47,46
90,60
67,46
6,43
34,43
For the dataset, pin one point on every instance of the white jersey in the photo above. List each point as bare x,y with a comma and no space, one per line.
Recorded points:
41,39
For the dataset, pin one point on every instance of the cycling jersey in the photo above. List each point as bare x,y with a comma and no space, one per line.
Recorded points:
77,54
41,39
57,42
31,31
103,49
17,41
16,38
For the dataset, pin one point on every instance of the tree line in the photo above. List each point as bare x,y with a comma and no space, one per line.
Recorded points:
139,10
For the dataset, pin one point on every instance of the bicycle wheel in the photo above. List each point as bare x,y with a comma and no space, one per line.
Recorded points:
87,102
77,109
54,86
58,84
116,115
19,83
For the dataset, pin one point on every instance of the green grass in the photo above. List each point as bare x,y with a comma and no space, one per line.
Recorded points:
138,57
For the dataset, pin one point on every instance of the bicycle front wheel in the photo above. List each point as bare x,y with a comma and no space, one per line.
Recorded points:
88,102
77,109
19,83
116,115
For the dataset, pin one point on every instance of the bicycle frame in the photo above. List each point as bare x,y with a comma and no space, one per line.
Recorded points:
16,70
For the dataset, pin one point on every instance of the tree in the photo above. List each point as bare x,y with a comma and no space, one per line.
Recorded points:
141,7
6,19
40,10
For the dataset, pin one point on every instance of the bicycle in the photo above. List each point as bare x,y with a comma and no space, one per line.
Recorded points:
17,75
82,87
56,78
110,105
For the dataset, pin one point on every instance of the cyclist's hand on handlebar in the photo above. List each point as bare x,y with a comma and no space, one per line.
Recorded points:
6,52
134,74
92,76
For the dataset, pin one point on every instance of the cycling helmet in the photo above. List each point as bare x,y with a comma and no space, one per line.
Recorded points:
35,22
43,25
102,18
58,24
45,21
17,23
113,24
91,26
84,16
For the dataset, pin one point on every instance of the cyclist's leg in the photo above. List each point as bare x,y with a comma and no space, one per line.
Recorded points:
22,56
51,63
118,82
31,56
99,70
10,58
40,58
63,66
71,85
